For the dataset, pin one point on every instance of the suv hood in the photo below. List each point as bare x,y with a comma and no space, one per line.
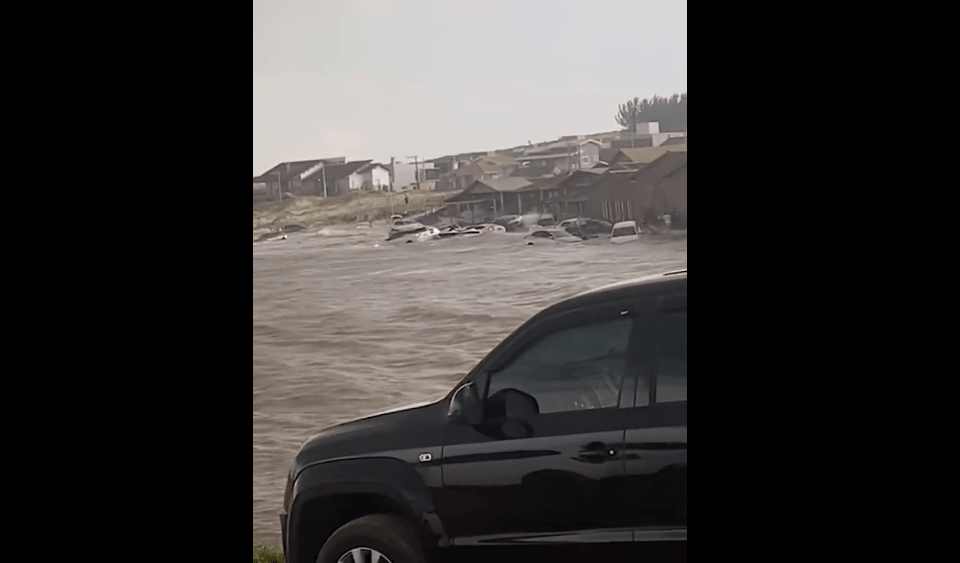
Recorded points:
407,426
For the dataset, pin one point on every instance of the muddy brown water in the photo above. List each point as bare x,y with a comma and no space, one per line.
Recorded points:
345,325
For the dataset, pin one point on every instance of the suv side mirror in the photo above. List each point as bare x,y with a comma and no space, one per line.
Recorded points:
465,405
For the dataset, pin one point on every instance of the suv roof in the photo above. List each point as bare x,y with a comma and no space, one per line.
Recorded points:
625,289
633,282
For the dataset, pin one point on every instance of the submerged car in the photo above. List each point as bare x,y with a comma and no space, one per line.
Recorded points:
568,223
550,236
586,228
510,222
625,231
457,231
413,233
571,434
272,236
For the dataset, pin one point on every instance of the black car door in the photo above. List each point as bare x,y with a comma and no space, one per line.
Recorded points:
655,445
552,475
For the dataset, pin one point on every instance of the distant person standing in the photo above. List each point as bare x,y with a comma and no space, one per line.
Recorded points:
406,199
667,219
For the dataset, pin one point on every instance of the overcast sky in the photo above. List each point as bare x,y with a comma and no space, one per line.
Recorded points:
371,79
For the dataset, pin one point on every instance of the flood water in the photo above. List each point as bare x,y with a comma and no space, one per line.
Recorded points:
345,325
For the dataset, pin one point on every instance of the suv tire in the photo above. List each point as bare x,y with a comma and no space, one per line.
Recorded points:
390,535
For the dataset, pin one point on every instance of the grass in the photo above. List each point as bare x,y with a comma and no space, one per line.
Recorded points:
346,209
264,554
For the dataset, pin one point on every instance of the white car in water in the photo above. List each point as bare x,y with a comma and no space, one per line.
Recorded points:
417,234
550,236
625,231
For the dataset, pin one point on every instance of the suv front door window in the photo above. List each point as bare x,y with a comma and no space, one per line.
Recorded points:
554,466
578,368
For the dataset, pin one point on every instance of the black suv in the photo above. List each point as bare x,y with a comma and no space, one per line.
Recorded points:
570,434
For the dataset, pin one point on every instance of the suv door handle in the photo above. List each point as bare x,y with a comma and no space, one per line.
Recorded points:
597,453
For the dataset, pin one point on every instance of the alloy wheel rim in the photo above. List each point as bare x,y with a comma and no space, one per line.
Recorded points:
363,555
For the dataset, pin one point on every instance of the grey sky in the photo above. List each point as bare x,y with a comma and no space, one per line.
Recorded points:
381,78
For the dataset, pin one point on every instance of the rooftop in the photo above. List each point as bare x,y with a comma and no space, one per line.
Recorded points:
662,167
338,171
647,155
533,171
510,184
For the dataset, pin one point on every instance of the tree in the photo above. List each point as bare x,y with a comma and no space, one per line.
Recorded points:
670,112
627,112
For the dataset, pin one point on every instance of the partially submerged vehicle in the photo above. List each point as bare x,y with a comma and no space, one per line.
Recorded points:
625,231
458,231
540,219
417,234
510,222
272,236
586,228
550,236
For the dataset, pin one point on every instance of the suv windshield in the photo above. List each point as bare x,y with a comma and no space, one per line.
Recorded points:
624,232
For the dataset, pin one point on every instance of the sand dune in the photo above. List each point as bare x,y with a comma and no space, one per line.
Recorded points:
310,211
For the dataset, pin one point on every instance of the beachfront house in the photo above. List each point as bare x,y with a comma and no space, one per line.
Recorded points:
374,176
539,196
655,189
295,177
487,199
337,179
565,155
488,167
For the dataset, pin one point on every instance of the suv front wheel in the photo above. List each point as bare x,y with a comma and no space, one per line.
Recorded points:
377,538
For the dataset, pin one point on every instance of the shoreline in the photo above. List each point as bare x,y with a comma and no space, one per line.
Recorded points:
311,214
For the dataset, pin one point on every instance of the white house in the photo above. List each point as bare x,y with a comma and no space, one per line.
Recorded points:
373,176
406,175
566,155
647,135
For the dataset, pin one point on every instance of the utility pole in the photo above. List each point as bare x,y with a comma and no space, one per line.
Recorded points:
634,136
279,186
416,170
453,169
390,188
393,172
323,178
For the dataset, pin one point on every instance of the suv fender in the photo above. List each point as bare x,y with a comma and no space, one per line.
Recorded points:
385,476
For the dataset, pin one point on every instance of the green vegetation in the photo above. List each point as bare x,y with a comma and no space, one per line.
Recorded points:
670,112
264,554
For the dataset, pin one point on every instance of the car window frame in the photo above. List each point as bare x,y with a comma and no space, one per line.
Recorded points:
666,303
558,322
